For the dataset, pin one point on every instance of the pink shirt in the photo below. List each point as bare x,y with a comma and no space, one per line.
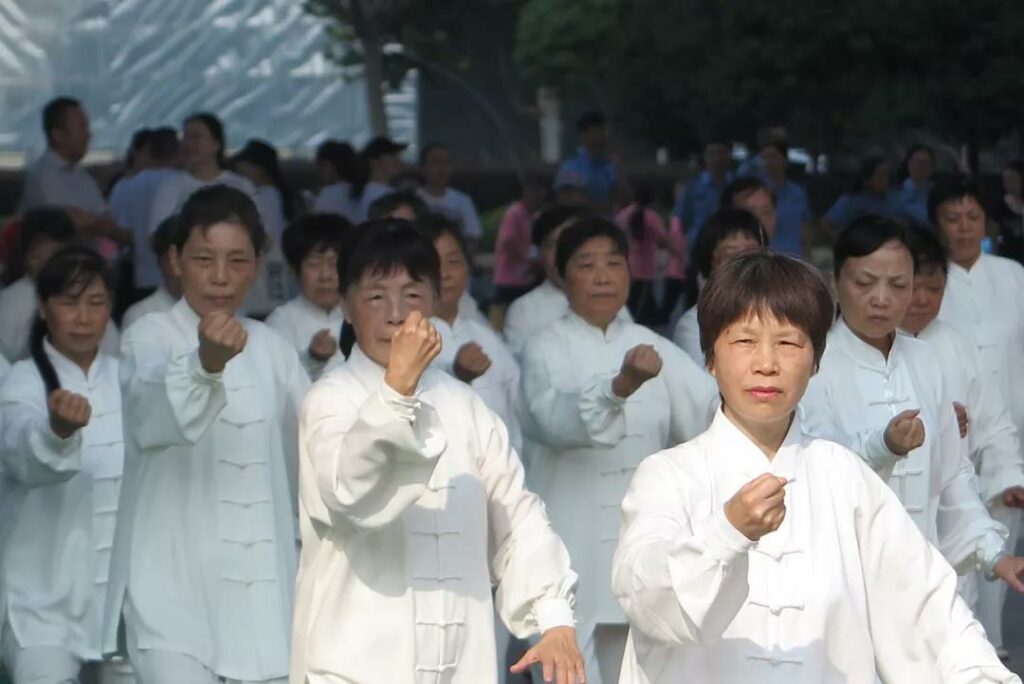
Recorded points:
643,253
512,251
676,268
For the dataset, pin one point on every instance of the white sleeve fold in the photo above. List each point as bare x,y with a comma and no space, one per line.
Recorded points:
680,579
529,563
370,466
31,453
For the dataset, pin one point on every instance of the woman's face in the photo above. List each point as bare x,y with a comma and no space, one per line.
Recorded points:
377,306
597,281
761,204
878,183
77,319
874,291
198,145
920,166
217,266
318,278
929,286
962,225
762,366
732,246
454,271
254,173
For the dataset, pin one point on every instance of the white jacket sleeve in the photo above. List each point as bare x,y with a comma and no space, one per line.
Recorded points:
529,563
919,625
590,416
365,465
679,575
686,336
819,418
992,437
968,535
692,392
168,401
31,453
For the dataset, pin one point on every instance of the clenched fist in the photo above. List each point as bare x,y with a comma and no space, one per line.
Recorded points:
962,421
413,347
640,364
759,507
323,345
905,432
69,412
221,338
471,362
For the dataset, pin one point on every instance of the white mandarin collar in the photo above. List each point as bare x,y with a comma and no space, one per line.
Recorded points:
185,315
615,328
863,353
316,311
366,369
749,458
68,368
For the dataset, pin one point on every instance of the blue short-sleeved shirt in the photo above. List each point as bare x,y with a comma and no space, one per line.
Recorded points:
852,206
913,201
793,210
598,175
698,201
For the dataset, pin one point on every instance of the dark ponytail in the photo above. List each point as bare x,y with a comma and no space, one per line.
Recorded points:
39,357
70,270
346,339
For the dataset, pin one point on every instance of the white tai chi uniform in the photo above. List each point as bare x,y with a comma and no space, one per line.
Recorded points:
298,321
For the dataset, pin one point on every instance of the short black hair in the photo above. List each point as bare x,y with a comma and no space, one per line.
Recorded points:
386,245
382,207
141,139
163,238
55,111
722,224
164,144
762,283
865,236
582,231
742,186
430,147
927,249
590,119
914,149
435,225
44,223
340,155
220,204
313,233
553,218
952,188
865,171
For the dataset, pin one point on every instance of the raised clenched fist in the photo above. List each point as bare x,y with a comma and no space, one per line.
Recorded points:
759,507
640,364
323,345
413,347
905,432
221,338
471,362
962,420
69,412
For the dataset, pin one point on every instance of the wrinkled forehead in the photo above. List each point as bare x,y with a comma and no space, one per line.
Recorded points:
761,318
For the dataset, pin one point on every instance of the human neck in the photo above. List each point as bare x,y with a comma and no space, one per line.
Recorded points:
321,307
768,437
435,190
447,312
206,171
64,157
81,359
968,263
717,177
883,344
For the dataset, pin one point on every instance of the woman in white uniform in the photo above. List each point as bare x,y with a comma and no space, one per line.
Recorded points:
725,234
983,302
883,395
205,555
312,320
759,553
412,502
471,351
598,395
62,452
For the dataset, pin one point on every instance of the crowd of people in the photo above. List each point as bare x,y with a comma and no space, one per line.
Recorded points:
250,436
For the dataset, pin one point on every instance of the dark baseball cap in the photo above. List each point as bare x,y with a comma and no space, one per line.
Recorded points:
381,145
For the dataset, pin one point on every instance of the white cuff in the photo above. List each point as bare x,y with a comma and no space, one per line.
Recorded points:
724,541
553,612
402,405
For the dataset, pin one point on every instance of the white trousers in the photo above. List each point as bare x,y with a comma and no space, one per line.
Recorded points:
992,595
53,664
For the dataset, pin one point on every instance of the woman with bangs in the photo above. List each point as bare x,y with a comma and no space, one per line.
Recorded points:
62,452
760,553
412,502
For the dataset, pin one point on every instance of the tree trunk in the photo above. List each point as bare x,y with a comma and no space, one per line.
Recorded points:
373,73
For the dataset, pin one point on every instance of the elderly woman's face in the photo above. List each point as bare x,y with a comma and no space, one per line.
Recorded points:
597,281
377,305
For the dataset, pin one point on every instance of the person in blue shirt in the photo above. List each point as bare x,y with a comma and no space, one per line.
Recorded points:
700,198
601,180
870,195
919,164
793,211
